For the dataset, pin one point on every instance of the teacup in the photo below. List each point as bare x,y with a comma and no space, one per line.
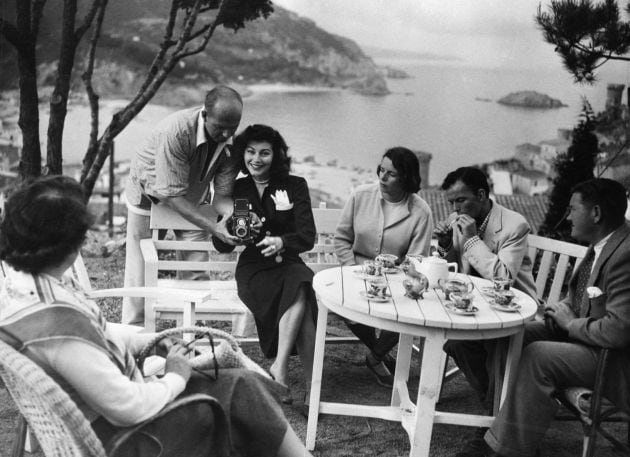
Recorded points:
501,282
450,286
388,260
377,289
372,268
462,301
504,298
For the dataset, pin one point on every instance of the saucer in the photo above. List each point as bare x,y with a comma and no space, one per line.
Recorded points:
513,308
391,270
451,308
374,298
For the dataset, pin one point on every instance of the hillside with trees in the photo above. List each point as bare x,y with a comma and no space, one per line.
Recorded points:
284,48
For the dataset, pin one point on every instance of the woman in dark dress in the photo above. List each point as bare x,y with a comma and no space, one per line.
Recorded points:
272,280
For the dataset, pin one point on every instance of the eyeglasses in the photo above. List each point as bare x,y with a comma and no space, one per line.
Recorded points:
380,171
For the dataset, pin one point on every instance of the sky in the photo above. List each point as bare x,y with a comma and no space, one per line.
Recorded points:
480,32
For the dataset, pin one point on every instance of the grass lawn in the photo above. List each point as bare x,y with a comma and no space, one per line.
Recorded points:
346,379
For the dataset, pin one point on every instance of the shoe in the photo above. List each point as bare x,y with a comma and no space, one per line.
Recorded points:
286,399
383,376
477,447
390,363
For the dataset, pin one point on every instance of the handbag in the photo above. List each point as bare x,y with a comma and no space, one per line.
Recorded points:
223,351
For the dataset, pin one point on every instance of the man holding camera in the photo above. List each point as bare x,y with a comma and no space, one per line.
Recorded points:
187,151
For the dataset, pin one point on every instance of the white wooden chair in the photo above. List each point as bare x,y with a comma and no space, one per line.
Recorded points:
556,260
221,301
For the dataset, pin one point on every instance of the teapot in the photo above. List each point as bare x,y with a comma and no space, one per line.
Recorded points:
434,268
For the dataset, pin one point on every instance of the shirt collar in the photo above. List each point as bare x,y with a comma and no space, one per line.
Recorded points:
202,137
484,224
600,246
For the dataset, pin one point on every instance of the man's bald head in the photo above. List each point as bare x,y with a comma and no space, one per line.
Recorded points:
222,113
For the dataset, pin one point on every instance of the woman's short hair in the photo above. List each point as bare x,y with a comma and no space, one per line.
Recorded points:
407,166
43,222
281,162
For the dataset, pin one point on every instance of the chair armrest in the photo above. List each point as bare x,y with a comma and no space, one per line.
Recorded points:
164,431
150,256
193,296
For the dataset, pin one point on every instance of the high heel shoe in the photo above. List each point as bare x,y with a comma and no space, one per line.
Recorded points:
383,376
286,398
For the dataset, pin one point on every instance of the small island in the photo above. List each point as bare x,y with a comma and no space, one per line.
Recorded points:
531,99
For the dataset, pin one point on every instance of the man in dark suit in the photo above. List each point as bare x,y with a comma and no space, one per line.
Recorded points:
594,315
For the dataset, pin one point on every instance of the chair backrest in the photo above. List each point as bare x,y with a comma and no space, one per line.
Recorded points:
164,218
60,427
554,261
79,272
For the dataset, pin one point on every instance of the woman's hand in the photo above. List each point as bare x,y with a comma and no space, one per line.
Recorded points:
163,347
271,245
177,362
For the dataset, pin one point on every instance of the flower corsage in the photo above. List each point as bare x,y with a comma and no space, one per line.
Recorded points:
281,199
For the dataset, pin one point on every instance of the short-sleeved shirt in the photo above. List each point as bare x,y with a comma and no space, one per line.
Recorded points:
179,159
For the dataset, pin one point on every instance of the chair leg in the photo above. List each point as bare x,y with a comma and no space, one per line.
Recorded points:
20,437
590,434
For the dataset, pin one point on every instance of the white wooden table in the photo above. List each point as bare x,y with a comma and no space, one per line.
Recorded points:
338,290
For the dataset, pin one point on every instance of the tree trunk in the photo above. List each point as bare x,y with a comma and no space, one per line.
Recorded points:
31,157
59,98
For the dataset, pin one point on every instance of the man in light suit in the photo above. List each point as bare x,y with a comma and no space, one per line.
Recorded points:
485,239
594,315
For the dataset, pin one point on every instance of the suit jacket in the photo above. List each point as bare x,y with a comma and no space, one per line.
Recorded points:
504,246
295,226
605,321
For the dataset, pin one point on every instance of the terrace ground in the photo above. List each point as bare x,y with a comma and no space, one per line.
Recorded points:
346,379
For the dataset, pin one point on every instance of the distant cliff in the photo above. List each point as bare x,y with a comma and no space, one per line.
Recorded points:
285,48
530,99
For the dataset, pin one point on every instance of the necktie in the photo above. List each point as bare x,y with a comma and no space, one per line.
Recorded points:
584,273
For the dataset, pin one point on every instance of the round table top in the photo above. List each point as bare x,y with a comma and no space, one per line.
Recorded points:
340,289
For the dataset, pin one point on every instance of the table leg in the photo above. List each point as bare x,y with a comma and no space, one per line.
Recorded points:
513,358
428,390
403,363
316,382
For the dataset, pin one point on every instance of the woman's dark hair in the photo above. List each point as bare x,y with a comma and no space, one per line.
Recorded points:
407,166
281,162
43,221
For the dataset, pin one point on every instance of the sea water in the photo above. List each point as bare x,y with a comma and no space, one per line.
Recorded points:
448,110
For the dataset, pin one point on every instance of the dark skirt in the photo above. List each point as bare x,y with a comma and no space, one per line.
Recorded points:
269,289
256,424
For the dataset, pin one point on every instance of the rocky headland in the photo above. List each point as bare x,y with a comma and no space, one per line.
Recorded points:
284,48
530,99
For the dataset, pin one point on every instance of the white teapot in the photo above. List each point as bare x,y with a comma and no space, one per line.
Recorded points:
434,268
